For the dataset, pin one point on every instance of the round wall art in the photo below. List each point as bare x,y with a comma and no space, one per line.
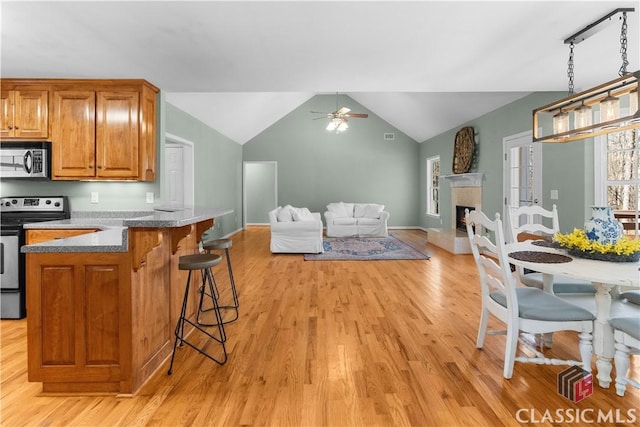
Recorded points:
463,150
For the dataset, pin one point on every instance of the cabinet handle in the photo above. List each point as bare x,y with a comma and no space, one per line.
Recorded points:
10,127
90,166
16,126
99,167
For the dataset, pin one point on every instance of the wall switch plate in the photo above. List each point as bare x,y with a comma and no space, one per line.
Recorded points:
554,195
149,197
94,197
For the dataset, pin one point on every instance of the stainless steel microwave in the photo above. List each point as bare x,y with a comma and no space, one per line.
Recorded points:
25,160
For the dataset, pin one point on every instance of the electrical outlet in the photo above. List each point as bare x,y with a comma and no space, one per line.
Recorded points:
150,197
554,195
94,197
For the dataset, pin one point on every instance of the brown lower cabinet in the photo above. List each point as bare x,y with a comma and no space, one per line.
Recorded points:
104,322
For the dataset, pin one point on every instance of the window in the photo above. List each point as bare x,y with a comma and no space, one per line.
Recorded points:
617,168
433,186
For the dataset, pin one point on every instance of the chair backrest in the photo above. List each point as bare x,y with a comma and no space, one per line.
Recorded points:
491,256
532,222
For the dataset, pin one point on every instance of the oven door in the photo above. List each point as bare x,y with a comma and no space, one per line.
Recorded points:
10,259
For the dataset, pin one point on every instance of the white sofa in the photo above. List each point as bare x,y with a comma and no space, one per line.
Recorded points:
356,219
295,230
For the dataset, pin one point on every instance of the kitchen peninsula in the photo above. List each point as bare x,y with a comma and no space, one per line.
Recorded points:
102,305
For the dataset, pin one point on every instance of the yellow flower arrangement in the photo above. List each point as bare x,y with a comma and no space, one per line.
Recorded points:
579,242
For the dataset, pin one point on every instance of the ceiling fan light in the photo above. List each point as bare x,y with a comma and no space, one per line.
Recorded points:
609,108
560,122
343,126
331,126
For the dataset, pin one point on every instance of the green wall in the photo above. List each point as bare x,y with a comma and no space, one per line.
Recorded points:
218,167
567,168
316,167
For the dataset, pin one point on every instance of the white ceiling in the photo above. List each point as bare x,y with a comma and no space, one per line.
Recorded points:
423,66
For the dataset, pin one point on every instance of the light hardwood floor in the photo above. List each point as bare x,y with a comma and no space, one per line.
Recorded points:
330,343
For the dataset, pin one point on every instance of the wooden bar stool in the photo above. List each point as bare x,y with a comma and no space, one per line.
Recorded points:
220,244
202,262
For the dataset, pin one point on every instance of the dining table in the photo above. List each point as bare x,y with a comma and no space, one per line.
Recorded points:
544,257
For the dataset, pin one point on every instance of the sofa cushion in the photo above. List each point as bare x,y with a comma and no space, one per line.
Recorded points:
338,210
368,210
302,214
284,214
368,221
344,221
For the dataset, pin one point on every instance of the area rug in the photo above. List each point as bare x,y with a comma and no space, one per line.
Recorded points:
365,249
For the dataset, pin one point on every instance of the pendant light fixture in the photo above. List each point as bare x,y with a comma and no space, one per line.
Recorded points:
573,117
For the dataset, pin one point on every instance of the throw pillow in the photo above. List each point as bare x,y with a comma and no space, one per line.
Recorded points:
337,209
285,214
373,211
348,208
302,214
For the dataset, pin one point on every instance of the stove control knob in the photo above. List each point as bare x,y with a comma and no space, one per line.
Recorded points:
14,201
48,202
7,204
56,204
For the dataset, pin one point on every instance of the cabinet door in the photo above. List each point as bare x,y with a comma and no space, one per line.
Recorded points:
73,134
75,316
6,113
31,114
117,134
148,137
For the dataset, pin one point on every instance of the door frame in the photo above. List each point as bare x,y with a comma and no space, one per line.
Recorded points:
520,140
244,186
188,167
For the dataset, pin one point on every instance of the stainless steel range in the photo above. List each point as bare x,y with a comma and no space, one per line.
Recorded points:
14,212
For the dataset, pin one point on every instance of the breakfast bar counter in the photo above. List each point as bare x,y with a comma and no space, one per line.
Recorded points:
104,293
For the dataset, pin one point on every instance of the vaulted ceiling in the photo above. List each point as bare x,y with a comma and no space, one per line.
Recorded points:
423,66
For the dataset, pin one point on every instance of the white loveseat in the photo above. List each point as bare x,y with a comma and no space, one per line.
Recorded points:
356,219
295,230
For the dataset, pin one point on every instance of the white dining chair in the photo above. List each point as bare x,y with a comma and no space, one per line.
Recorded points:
521,309
532,223
626,331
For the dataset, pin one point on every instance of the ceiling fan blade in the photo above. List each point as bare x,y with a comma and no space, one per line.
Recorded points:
343,110
357,115
319,112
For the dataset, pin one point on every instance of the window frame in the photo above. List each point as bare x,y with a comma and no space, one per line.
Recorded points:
430,187
600,175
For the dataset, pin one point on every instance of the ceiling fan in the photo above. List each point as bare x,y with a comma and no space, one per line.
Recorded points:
339,118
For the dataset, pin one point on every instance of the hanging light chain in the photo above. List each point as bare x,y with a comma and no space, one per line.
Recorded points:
570,69
623,46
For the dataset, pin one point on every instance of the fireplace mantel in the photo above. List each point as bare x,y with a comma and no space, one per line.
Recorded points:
464,179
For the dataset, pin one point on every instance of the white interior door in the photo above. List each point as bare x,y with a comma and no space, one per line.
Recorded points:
522,173
175,175
178,186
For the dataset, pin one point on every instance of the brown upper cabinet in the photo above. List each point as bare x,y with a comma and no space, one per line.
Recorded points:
24,113
101,129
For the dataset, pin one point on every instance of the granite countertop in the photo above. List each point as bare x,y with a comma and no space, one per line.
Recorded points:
113,226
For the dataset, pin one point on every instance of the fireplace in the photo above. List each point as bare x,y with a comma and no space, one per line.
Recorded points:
461,223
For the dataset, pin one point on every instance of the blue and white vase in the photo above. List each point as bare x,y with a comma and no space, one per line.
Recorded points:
603,227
